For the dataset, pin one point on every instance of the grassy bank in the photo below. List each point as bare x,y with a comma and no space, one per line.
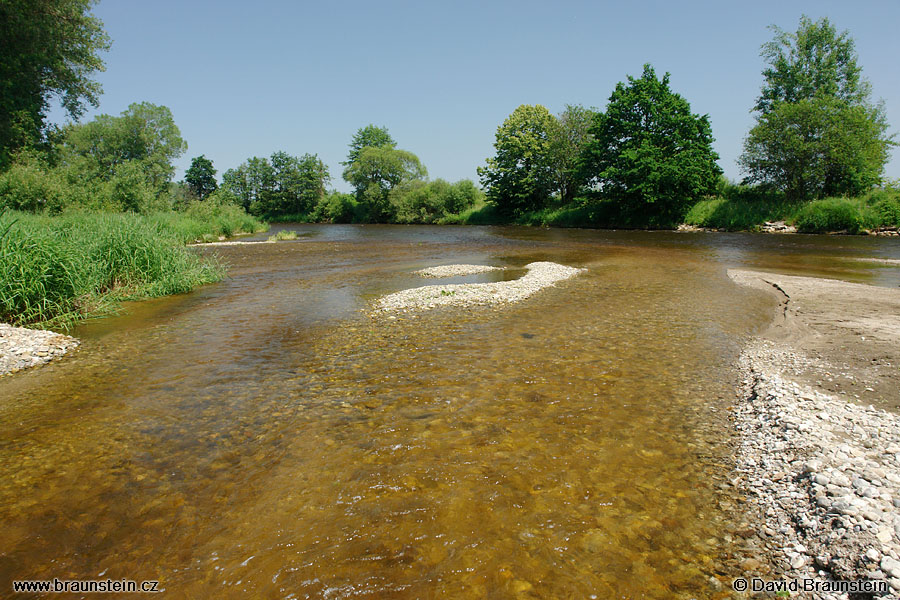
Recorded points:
57,270
733,212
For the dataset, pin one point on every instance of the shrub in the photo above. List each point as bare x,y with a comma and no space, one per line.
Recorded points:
885,202
835,214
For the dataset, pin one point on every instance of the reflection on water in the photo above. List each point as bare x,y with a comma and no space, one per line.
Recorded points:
266,437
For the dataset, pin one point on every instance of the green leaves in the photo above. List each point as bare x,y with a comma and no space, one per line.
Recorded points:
520,176
649,149
50,48
285,185
201,177
817,133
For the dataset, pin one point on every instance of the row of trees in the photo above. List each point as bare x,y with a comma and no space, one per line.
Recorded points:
647,151
817,134
123,163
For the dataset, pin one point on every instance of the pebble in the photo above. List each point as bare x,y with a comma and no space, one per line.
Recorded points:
539,276
22,348
828,493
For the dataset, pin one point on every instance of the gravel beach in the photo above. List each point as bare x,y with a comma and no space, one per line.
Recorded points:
539,276
21,348
819,455
455,270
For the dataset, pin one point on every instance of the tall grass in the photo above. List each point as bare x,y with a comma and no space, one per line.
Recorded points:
206,221
57,270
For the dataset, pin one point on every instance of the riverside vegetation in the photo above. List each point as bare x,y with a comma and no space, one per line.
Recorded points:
80,195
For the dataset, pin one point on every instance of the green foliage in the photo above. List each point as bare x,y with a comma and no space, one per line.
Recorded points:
885,202
201,177
817,147
49,49
57,270
365,137
817,133
336,207
30,186
283,235
285,185
144,133
835,214
568,138
520,176
376,171
430,202
650,153
816,61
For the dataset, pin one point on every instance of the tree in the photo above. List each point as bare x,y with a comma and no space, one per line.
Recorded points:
815,61
568,139
520,176
650,153
201,177
145,133
50,49
368,136
283,185
817,147
817,133
376,171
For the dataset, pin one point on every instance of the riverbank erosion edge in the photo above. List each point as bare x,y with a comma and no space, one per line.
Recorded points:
21,348
539,276
819,453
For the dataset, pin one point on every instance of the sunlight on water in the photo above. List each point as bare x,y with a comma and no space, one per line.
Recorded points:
267,437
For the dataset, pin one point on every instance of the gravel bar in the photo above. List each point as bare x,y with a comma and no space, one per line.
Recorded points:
539,276
456,270
21,348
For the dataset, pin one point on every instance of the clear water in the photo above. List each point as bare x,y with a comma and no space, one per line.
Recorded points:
268,437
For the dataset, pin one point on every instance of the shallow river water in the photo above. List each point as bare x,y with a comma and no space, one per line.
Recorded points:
269,437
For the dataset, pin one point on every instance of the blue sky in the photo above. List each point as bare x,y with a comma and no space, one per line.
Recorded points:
246,79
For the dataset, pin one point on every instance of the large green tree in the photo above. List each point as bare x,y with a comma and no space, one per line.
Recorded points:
817,132
201,177
368,136
520,175
281,184
650,153
376,171
48,49
568,139
145,133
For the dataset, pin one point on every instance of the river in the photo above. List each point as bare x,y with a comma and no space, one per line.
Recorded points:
269,437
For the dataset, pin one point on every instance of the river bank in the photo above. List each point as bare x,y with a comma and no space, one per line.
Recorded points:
819,454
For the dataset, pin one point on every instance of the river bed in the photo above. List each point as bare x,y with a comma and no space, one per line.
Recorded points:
270,437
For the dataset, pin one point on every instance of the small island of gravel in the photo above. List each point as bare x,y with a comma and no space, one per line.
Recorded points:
456,270
539,276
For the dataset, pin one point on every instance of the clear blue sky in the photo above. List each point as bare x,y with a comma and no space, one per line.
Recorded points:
249,78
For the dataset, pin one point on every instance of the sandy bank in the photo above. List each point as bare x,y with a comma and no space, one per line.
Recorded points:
819,457
21,348
539,276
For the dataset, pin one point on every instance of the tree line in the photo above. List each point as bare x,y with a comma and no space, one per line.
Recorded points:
644,160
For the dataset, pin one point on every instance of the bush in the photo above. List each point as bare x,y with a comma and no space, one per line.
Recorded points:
421,202
336,207
885,202
835,214
28,186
